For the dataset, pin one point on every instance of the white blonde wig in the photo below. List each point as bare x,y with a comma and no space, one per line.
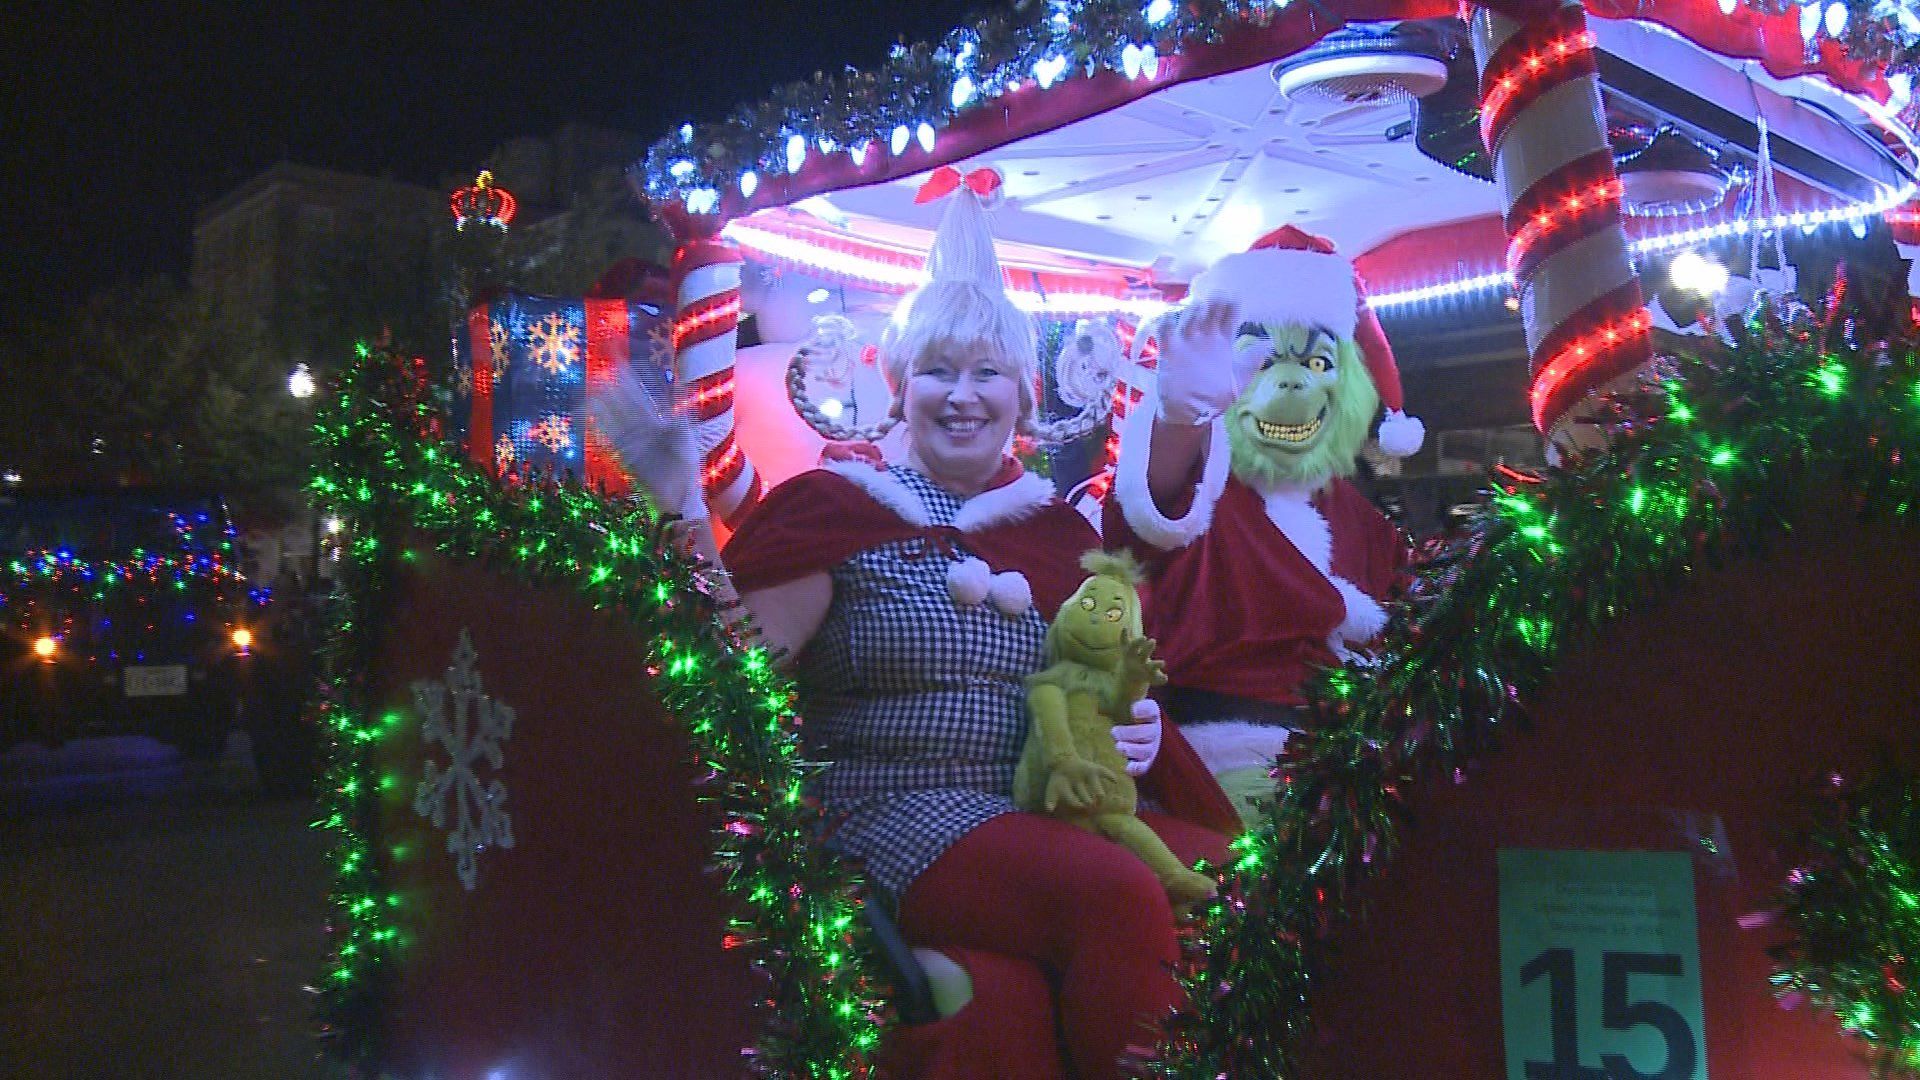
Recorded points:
962,306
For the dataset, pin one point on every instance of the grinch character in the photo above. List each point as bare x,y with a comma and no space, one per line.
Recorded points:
1098,665
1266,563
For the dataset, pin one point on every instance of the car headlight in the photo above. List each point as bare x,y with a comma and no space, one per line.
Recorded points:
242,638
46,646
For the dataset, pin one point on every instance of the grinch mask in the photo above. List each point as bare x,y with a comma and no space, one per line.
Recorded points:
1305,414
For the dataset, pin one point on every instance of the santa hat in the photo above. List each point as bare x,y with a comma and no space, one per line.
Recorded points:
1292,276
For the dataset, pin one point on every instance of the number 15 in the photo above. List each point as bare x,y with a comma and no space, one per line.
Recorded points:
1616,1014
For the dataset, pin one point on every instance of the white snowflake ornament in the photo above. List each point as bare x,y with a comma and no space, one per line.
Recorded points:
477,729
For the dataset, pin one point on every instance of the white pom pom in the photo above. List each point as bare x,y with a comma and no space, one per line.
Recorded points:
1011,595
968,581
1400,434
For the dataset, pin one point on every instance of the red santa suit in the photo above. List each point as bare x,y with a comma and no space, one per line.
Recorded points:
1251,590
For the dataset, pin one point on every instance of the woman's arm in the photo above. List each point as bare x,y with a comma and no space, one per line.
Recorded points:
786,615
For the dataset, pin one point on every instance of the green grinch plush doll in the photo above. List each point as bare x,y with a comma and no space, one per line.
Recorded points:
1099,664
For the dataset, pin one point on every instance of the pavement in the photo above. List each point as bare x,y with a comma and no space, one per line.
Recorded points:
159,918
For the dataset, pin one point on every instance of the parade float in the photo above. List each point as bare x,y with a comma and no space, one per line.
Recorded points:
1626,788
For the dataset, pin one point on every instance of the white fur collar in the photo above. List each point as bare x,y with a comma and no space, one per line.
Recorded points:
886,489
1018,500
1136,498
1015,501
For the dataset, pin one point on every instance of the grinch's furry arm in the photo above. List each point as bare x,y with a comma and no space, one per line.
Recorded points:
1073,782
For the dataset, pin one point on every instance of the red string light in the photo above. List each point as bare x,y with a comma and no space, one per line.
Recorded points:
1541,65
1575,210
696,320
482,201
721,464
1582,352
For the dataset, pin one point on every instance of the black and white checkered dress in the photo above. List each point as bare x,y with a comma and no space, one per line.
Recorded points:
916,703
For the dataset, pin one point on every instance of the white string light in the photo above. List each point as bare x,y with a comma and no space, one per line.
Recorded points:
1648,245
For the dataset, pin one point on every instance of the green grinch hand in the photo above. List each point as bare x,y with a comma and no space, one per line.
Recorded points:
1137,665
1077,784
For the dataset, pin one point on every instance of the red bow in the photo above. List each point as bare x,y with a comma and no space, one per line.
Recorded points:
946,180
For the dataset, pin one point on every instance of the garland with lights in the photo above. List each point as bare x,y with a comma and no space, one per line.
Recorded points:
1701,475
1854,910
386,470
1716,466
924,86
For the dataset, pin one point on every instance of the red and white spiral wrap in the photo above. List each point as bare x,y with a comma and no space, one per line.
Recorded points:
1541,118
706,274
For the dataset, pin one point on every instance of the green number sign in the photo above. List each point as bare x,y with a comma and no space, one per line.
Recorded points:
1600,966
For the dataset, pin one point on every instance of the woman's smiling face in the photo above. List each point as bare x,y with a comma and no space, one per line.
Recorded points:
961,403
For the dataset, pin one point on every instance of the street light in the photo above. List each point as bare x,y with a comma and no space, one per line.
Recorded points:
300,383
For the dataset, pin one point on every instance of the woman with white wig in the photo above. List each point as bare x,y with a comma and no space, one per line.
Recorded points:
911,599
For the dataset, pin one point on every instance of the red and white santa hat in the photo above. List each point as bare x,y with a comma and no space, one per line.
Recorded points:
1293,276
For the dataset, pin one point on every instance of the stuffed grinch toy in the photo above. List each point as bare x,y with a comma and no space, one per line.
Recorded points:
1099,664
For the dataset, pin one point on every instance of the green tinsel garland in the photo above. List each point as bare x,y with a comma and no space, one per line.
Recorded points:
1487,615
916,85
1854,911
386,472
1718,466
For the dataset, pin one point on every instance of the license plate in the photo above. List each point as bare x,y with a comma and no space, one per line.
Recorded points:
158,680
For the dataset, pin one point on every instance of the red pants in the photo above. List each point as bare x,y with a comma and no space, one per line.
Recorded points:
1056,925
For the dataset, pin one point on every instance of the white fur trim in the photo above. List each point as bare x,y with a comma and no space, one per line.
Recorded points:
1400,434
1235,744
1283,286
1365,617
1292,511
1006,504
885,489
968,581
1010,593
1136,498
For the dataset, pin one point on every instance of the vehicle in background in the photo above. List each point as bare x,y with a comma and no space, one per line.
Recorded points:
122,611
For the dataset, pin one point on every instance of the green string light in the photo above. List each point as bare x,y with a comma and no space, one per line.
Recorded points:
1553,562
796,900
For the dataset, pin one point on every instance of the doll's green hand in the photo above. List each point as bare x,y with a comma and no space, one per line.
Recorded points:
1077,784
1138,668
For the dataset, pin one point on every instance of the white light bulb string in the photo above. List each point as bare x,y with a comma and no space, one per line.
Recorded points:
1650,245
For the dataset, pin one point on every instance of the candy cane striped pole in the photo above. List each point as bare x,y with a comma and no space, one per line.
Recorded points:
1541,118
706,276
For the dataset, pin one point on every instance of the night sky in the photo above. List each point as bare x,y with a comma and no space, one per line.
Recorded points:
124,125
